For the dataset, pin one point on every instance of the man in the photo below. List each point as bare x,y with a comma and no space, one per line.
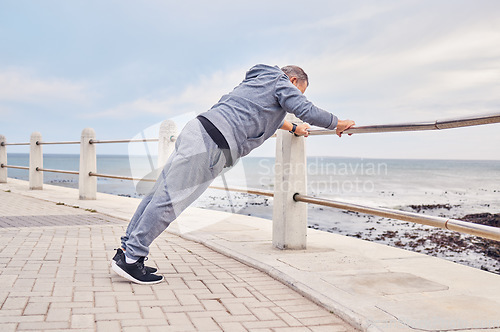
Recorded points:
241,121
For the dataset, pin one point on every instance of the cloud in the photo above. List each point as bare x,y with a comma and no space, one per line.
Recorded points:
346,14
19,85
6,111
196,97
445,71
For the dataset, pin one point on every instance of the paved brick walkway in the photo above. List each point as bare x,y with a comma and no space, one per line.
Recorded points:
55,275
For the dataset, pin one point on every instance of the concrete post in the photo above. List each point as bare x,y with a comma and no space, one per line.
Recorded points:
166,141
289,217
3,160
88,163
36,161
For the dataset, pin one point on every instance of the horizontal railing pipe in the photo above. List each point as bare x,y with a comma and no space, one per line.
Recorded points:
68,142
12,166
468,121
417,126
119,177
489,232
56,171
5,143
96,141
245,190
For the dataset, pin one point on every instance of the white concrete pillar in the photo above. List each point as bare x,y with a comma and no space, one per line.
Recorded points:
36,161
166,141
3,160
289,217
88,163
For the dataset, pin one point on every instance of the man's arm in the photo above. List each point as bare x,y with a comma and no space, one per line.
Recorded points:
293,101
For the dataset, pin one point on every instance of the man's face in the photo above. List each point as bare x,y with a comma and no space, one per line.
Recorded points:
301,85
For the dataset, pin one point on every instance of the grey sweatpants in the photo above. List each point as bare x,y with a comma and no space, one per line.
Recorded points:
194,164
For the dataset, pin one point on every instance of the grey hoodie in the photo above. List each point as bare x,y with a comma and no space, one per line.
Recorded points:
256,108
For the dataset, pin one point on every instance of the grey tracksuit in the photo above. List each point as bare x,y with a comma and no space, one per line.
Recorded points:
246,117
256,108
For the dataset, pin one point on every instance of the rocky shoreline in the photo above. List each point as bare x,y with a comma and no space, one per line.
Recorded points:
457,247
455,242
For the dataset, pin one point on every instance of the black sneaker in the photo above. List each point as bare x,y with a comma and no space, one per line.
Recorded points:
121,255
136,272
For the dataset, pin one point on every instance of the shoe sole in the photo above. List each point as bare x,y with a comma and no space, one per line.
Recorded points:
118,270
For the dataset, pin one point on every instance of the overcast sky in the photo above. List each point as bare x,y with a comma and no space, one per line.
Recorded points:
123,66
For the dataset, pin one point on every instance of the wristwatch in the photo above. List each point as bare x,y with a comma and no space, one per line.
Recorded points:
294,126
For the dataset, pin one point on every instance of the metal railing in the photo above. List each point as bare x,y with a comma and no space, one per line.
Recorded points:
489,232
246,191
417,126
48,143
13,166
38,169
5,144
289,215
87,158
492,233
120,177
289,229
96,141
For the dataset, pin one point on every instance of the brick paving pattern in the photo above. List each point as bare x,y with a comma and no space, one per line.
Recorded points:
55,275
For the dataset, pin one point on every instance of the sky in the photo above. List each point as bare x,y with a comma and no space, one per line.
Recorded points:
121,67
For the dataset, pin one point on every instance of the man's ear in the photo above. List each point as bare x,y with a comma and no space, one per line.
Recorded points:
293,80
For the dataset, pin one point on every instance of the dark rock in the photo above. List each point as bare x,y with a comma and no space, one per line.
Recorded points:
483,219
424,207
